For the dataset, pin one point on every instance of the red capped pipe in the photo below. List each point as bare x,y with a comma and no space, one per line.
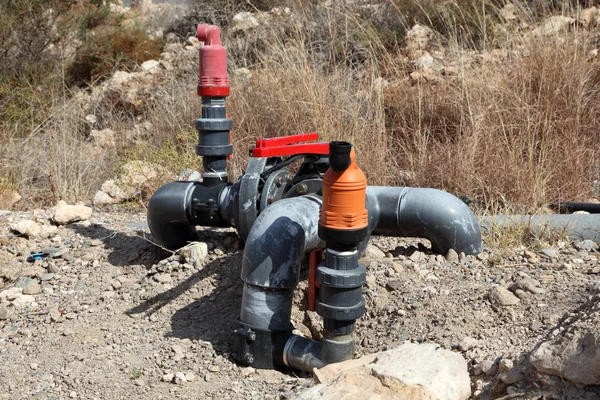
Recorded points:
212,77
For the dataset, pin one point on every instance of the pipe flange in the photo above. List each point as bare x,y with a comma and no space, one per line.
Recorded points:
341,279
273,188
345,313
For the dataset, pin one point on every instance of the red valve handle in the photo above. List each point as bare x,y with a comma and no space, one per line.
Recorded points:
289,146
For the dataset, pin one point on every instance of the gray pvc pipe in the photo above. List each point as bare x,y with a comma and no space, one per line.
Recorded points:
575,226
443,219
275,246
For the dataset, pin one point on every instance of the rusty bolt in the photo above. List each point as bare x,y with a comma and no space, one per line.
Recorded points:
302,188
271,199
279,180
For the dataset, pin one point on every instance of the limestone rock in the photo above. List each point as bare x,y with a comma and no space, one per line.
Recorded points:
411,371
102,199
66,214
554,25
134,176
424,61
418,38
27,228
502,297
374,251
588,16
244,21
572,352
528,285
452,256
151,66
23,301
104,138
509,12
576,360
195,254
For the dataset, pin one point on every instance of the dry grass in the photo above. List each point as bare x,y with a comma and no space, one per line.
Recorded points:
523,131
518,131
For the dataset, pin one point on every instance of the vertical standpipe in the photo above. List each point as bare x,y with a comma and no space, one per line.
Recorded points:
214,128
343,225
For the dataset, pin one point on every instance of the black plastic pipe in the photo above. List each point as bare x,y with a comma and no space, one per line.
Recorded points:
571,207
176,208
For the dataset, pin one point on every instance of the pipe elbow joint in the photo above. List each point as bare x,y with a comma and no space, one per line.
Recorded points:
278,240
168,215
433,214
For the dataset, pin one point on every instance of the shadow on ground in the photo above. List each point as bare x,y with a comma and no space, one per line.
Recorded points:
208,317
124,249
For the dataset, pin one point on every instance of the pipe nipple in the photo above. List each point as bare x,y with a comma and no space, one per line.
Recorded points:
339,156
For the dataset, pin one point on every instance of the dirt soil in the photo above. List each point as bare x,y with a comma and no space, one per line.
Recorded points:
116,319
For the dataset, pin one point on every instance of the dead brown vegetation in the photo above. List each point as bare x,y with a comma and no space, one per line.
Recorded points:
513,125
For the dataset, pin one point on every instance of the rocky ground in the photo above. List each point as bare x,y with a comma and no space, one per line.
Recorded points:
104,313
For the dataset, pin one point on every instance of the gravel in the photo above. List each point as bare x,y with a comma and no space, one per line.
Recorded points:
114,316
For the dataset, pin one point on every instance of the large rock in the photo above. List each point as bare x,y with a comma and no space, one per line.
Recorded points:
574,351
133,178
67,214
411,371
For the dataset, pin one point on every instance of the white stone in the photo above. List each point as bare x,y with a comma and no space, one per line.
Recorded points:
195,254
67,214
10,294
151,66
23,301
27,228
502,297
105,138
244,21
411,371
103,199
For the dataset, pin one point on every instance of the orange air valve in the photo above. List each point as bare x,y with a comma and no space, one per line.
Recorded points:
344,216
343,225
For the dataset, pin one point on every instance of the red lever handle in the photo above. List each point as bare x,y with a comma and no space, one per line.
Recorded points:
289,146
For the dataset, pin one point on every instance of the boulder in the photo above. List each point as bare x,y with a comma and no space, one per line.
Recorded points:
410,371
67,214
